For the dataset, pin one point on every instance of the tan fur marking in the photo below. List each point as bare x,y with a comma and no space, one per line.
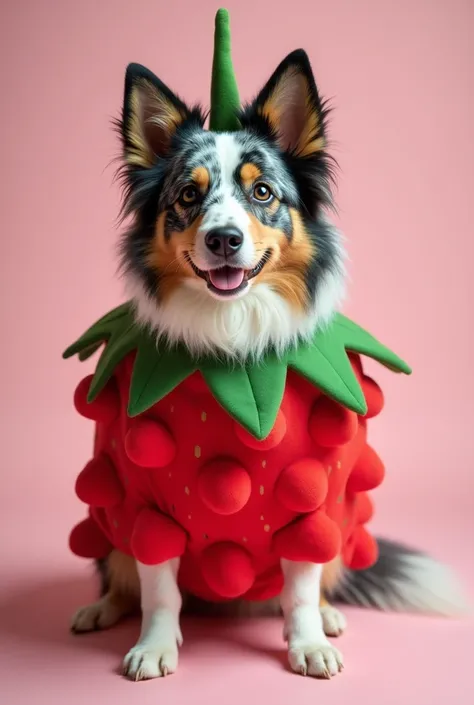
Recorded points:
274,206
249,173
285,272
123,575
148,106
310,140
200,176
138,154
166,255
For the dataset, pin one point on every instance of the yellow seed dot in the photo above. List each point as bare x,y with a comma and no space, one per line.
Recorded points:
266,528
262,517
203,416
187,490
244,539
339,499
329,469
345,522
264,463
262,489
339,465
197,451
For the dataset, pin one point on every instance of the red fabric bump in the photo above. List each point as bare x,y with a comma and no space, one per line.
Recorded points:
315,537
368,472
227,569
364,550
148,443
87,540
98,484
332,425
156,538
302,486
224,486
373,397
364,508
104,408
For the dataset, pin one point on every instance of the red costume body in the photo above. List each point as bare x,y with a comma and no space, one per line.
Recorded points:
185,479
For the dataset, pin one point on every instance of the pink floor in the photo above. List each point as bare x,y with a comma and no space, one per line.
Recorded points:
389,658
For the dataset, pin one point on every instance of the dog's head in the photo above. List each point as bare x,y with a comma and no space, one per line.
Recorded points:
229,249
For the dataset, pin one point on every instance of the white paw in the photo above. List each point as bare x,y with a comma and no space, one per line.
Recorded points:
147,661
320,660
99,615
334,622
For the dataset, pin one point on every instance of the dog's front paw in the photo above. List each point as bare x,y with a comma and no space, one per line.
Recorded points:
99,615
147,661
334,622
318,659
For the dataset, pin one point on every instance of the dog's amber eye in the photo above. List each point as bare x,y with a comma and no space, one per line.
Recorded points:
189,195
262,193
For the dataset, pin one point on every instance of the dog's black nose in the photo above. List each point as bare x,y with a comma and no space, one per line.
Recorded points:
225,241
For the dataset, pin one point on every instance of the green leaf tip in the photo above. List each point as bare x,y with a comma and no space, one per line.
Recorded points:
225,101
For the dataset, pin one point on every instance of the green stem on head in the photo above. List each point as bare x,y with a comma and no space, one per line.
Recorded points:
225,101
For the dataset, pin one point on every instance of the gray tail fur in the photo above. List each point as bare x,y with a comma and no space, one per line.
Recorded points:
403,580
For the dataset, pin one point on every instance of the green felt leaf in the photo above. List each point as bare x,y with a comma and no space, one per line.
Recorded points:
101,330
252,394
156,373
121,343
86,353
327,366
357,339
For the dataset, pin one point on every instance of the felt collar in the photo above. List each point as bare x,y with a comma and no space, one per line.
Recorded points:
252,392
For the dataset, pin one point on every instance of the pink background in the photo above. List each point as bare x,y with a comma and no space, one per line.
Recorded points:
400,74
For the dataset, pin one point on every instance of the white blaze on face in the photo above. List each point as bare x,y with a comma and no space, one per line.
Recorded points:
228,211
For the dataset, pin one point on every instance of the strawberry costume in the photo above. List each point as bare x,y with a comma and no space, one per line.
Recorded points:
230,466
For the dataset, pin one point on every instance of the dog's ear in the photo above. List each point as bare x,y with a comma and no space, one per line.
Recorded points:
290,109
150,117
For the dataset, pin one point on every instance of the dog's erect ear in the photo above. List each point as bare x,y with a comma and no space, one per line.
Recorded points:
151,115
290,108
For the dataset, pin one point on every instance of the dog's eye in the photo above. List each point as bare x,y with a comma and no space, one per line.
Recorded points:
189,195
262,193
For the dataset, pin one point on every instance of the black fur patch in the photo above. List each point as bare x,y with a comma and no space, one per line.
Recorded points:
381,584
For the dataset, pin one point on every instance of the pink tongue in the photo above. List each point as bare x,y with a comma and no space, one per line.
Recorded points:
226,278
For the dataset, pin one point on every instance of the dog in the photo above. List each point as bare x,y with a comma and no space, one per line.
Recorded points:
230,252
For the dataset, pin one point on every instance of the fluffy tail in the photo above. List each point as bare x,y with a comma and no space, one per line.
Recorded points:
403,580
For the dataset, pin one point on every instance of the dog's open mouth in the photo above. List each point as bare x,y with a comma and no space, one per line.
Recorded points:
227,281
